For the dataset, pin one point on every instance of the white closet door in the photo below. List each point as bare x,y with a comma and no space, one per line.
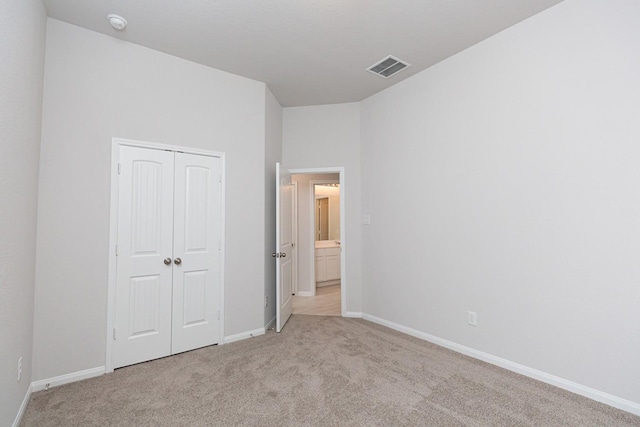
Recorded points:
145,240
197,237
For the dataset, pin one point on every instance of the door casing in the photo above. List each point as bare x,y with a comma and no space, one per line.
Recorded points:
113,234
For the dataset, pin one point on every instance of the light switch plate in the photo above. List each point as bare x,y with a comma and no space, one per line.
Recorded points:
472,318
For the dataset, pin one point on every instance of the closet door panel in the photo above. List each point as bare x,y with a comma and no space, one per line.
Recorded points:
197,259
145,240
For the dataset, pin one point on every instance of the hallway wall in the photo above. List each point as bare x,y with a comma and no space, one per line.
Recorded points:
506,180
329,136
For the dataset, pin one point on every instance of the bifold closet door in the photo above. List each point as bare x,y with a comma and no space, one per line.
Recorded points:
144,255
169,254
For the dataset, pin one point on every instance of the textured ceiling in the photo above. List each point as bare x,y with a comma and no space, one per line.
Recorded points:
308,52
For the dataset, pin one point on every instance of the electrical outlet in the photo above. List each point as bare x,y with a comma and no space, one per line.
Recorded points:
472,318
266,300
19,368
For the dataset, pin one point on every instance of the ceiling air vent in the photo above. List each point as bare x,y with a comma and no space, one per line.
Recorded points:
388,67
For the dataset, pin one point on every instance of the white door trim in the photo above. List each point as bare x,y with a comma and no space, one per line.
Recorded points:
343,234
116,143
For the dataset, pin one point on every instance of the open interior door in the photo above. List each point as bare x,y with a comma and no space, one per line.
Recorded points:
284,237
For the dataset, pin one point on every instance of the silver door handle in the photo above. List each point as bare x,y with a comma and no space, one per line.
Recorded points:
283,255
275,255
167,261
177,261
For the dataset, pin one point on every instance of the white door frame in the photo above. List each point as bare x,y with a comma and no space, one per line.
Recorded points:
116,143
343,234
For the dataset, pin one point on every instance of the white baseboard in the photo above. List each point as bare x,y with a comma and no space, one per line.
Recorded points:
244,335
23,406
271,324
327,283
353,314
67,378
305,294
591,393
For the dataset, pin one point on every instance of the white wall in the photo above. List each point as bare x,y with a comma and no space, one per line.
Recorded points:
507,179
306,243
22,44
333,194
273,154
98,87
329,136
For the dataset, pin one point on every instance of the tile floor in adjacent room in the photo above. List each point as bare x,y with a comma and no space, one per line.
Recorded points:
325,303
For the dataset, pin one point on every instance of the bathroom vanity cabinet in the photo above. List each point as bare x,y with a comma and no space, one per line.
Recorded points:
327,266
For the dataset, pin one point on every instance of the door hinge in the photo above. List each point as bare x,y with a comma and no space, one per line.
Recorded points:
119,169
114,334
220,178
219,245
116,249
218,314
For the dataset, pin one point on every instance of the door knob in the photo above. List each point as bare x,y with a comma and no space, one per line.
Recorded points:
167,261
275,255
177,261
283,254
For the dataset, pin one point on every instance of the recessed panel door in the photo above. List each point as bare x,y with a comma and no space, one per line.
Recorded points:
145,245
284,239
196,263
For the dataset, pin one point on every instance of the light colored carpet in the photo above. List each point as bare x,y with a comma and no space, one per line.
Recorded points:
320,371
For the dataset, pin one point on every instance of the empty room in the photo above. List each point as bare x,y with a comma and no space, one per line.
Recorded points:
332,212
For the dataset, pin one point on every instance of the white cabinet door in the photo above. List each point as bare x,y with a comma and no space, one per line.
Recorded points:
284,239
332,262
327,264
321,266
145,240
197,236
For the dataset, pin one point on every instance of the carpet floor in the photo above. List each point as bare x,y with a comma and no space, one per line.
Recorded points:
320,371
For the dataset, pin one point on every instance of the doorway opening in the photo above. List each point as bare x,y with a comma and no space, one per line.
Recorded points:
319,284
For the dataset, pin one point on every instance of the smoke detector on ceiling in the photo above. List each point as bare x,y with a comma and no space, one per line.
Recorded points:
117,22
388,67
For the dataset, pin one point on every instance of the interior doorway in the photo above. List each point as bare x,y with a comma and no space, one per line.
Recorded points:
319,256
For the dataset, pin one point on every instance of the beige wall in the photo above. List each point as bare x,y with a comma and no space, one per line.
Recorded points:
506,178
98,87
329,136
22,45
